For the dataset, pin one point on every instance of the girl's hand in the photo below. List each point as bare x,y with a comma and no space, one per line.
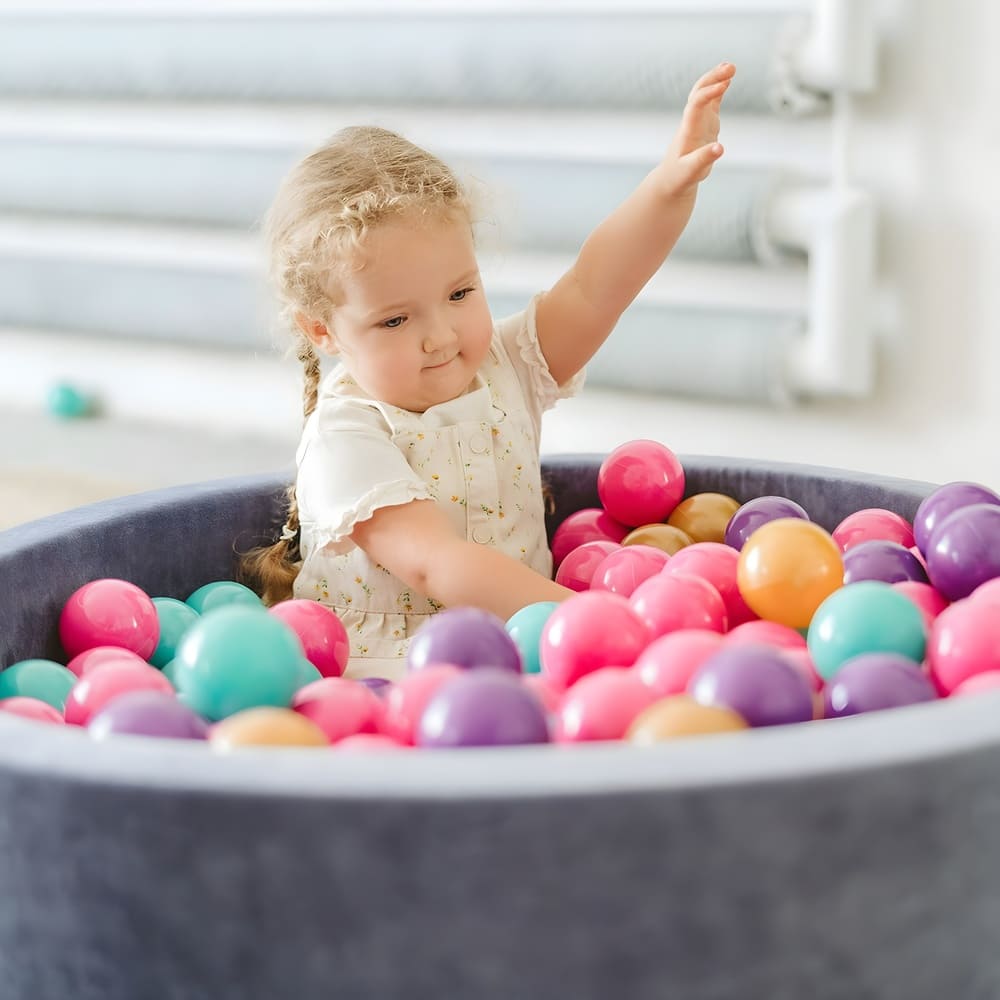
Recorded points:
694,148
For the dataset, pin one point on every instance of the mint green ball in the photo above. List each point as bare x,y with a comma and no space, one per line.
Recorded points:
865,617
45,680
67,402
175,619
525,628
237,657
222,592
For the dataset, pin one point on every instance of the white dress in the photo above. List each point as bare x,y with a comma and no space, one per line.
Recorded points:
477,455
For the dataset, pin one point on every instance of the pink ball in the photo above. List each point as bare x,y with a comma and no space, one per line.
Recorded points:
340,707
577,568
640,482
931,602
322,634
30,708
109,613
964,641
588,631
988,591
671,601
108,680
84,662
667,663
592,524
767,632
622,571
872,524
800,658
378,742
601,706
407,698
989,680
541,687
716,563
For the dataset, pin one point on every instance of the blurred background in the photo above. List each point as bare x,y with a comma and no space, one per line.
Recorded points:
833,301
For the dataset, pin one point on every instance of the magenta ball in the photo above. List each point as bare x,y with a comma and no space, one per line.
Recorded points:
666,664
875,681
769,633
873,524
110,680
465,637
589,631
576,570
109,612
601,706
964,550
31,708
592,524
321,632
482,708
148,713
671,601
622,571
945,500
640,482
757,682
930,601
716,563
751,515
964,641
889,562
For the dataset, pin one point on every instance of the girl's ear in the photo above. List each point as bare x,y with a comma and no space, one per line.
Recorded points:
318,333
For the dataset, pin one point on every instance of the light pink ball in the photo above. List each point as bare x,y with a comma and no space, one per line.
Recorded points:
322,634
976,684
364,742
108,680
667,663
988,591
931,602
768,632
577,569
964,641
84,662
622,571
541,687
717,564
109,612
668,602
31,708
405,701
601,706
872,524
340,707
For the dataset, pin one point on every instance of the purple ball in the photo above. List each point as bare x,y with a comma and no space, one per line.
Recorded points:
883,560
465,637
756,512
943,501
380,685
874,681
758,682
148,713
964,550
483,708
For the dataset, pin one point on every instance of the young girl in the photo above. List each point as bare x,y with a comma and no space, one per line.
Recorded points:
419,482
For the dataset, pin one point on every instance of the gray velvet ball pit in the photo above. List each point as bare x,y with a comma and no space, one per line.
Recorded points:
851,859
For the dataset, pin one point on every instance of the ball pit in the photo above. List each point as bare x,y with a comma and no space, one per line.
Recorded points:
847,857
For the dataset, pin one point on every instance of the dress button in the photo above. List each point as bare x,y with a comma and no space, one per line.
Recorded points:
482,535
478,443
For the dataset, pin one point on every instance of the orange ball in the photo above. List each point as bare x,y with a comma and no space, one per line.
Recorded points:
787,568
660,536
266,726
704,516
679,716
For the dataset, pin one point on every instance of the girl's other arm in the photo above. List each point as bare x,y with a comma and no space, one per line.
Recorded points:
576,316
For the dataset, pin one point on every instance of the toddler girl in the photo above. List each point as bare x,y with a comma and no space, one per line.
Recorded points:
419,483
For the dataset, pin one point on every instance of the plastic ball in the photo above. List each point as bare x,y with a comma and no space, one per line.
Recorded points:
482,708
589,631
964,641
704,516
989,591
407,698
592,524
756,682
769,633
237,657
69,402
787,568
964,550
31,708
109,681
757,512
659,536
876,681
930,601
322,634
340,707
84,662
988,680
945,500
109,612
577,569
800,658
716,563
622,571
542,688
601,706
525,628
667,664
175,618
881,560
365,742
866,617
671,601
44,680
147,713
377,685
219,593
873,524
465,637
681,716
640,482
266,726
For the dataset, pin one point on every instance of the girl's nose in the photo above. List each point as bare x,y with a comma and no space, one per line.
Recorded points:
441,337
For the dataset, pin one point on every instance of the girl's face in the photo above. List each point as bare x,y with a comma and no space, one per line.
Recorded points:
412,326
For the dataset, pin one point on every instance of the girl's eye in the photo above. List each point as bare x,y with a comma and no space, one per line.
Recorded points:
460,294
391,324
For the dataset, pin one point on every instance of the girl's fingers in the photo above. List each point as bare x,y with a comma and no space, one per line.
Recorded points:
724,71
699,98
